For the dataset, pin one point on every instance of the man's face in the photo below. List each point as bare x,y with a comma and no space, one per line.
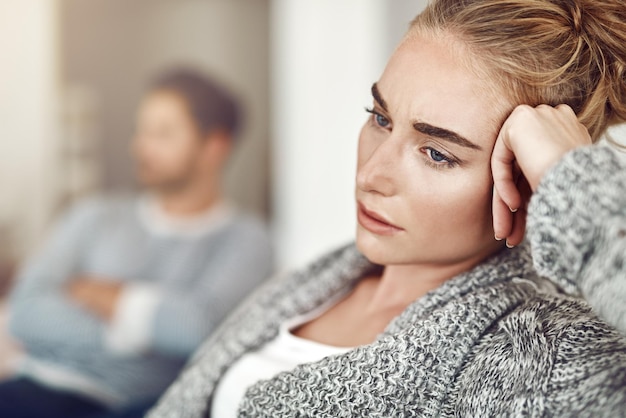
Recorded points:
167,143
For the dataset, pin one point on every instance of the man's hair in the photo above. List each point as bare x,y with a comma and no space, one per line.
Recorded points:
544,51
210,105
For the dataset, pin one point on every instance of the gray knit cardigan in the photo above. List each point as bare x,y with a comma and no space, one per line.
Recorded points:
493,341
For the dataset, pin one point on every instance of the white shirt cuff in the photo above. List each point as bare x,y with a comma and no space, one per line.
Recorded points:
130,328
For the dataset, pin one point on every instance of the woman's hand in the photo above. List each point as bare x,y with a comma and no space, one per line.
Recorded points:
530,142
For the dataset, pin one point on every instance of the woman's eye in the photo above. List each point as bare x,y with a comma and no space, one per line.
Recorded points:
381,120
436,155
438,159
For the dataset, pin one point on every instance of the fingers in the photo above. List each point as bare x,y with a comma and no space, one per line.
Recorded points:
563,108
507,225
537,137
531,140
502,217
519,217
503,171
505,195
511,192
519,228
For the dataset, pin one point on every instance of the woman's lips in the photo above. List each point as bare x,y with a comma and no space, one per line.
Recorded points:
375,223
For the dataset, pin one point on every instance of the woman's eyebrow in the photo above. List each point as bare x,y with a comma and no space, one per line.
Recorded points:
377,97
428,129
445,134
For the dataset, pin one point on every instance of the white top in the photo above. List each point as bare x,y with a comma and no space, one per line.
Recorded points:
283,353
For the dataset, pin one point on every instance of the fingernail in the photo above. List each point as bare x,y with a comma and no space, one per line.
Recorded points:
513,210
497,238
509,245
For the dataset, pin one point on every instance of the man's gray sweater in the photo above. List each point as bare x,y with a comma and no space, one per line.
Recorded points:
198,276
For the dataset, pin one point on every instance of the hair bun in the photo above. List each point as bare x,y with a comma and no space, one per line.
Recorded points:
577,18
545,51
604,23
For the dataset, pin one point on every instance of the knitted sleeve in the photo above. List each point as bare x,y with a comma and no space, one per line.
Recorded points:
40,313
588,376
577,228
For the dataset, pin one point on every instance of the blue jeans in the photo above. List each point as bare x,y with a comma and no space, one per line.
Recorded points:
24,398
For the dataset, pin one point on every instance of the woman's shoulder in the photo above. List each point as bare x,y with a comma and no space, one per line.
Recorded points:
550,314
558,320
554,354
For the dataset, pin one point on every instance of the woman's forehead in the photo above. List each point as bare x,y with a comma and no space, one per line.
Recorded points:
427,79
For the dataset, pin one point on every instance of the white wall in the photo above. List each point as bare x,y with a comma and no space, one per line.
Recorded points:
28,113
325,56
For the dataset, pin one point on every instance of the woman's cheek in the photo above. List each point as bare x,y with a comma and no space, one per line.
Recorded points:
477,204
364,145
465,197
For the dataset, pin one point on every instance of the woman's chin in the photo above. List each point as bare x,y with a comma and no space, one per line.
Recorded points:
377,250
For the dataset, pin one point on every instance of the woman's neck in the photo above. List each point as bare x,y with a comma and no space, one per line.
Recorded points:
400,285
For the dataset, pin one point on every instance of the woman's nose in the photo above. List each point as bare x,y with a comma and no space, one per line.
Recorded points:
376,173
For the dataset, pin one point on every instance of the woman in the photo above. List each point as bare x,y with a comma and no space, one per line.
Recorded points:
430,314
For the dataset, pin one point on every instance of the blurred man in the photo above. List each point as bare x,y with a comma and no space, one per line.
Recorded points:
126,289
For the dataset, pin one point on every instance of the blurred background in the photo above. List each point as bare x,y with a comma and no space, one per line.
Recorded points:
73,72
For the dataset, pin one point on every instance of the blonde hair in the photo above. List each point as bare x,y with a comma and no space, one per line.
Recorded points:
545,51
